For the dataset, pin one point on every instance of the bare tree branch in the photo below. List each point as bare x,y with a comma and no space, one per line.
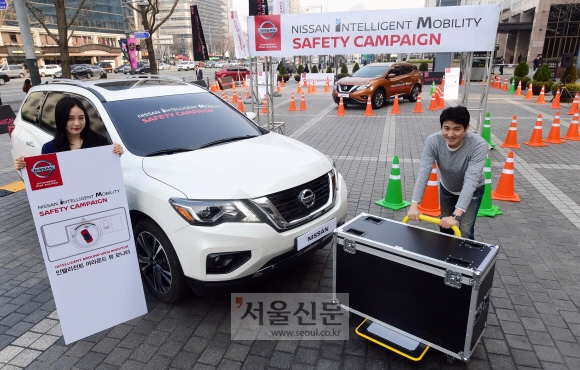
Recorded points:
37,14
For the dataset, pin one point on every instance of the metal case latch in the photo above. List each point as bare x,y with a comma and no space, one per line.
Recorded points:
349,246
453,279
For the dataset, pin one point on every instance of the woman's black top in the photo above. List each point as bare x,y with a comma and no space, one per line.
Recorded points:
97,141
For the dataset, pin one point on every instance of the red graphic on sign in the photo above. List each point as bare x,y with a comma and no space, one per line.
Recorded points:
43,171
268,32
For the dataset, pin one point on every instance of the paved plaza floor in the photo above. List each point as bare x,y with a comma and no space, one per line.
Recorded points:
534,320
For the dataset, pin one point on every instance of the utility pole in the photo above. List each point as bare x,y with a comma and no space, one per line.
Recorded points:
31,63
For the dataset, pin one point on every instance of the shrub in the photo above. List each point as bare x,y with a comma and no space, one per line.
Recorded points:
314,69
355,68
573,88
297,77
300,69
525,81
543,74
285,76
344,69
423,67
282,70
571,75
522,70
555,87
341,75
328,70
547,84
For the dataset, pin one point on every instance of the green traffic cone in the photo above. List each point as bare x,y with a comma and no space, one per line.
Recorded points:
433,88
486,209
486,133
512,87
394,194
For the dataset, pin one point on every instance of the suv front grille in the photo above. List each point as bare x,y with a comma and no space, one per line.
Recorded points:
290,207
344,88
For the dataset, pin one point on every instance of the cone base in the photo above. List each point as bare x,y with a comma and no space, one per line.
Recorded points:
529,143
431,212
418,111
557,107
394,207
510,146
556,141
368,114
571,138
508,198
341,114
572,113
491,212
491,145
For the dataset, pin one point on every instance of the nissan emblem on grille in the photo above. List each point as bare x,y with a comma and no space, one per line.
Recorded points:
307,198
344,88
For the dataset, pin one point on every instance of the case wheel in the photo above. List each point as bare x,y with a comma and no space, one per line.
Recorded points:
450,359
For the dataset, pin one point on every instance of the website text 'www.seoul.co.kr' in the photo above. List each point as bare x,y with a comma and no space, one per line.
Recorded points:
306,333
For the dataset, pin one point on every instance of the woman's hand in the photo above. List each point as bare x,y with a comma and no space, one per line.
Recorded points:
19,163
118,149
414,212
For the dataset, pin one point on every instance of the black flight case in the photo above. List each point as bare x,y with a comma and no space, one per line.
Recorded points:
431,287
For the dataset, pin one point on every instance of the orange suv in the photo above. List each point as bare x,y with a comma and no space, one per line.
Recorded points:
380,81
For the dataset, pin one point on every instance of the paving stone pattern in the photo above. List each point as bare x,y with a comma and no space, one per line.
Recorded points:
534,321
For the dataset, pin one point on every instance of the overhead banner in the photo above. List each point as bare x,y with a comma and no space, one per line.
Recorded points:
437,29
133,52
281,7
124,49
258,7
85,235
199,46
239,39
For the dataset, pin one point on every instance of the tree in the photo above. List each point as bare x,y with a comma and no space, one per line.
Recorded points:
67,18
148,11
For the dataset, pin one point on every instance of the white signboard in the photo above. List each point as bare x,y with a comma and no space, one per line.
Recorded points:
319,78
451,90
79,207
239,39
436,29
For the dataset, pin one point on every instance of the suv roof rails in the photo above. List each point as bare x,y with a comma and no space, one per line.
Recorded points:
154,77
79,83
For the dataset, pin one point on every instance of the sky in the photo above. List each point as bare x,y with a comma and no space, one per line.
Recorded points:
336,5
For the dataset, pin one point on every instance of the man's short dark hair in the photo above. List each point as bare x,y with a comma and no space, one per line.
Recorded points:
457,114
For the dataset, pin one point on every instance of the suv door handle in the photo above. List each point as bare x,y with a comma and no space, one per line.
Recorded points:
30,143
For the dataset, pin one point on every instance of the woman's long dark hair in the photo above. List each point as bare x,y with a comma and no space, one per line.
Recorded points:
61,114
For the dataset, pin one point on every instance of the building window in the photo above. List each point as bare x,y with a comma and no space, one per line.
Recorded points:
13,38
562,31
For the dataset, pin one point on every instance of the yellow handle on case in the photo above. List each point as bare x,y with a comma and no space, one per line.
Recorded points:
433,220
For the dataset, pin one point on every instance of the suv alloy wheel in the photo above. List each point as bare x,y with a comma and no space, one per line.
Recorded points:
415,91
378,99
89,75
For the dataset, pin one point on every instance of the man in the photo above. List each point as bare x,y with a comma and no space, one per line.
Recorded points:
501,64
460,157
520,58
198,73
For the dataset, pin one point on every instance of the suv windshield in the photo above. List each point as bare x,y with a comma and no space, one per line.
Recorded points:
163,123
371,71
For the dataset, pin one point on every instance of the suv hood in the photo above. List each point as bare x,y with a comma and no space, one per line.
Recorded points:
355,80
243,169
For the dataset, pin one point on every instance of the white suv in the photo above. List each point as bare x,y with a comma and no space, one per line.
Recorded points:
186,66
48,70
215,200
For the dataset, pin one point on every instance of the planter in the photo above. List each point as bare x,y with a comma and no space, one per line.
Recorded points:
536,90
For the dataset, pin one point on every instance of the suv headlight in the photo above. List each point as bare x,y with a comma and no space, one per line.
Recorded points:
364,86
212,213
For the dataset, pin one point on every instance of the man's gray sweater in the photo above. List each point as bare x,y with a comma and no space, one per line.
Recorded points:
460,170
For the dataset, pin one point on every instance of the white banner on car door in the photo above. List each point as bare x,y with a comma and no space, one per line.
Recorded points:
239,39
80,211
435,29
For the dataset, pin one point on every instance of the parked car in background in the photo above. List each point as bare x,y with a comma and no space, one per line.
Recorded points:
143,68
191,224
210,64
77,71
163,66
186,66
221,64
4,78
237,73
106,66
246,64
14,70
48,70
120,68
97,70
380,81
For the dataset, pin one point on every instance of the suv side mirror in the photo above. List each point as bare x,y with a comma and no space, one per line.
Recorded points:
391,75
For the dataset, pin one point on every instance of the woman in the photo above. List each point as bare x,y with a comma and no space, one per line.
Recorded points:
73,131
27,86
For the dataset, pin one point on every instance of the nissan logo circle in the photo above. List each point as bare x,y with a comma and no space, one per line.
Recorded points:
267,30
307,198
43,169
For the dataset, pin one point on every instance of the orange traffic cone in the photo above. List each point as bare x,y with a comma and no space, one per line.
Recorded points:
556,101
224,96
500,84
536,138
244,85
505,85
240,104
519,89
529,94
430,203
492,81
327,87
313,86
418,105
212,87
462,81
247,94
572,133
302,103
511,139
309,88
278,88
369,110
396,109
443,81
282,82
505,186
234,98
433,105
554,135
541,97
574,107
265,105
304,82
292,104
340,112
299,91
440,100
